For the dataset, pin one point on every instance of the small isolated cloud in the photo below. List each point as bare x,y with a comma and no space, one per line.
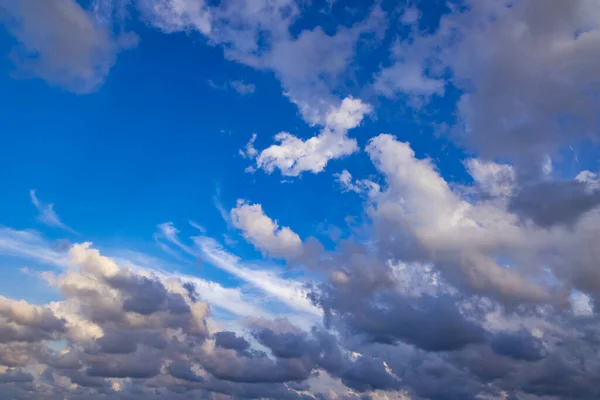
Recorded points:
242,88
47,215
238,86
263,232
347,184
293,156
250,151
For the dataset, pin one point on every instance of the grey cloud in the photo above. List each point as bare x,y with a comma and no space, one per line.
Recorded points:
368,373
388,317
139,365
522,345
85,380
180,370
556,101
61,43
554,202
283,345
254,390
20,321
15,376
117,342
229,340
429,344
227,365
146,296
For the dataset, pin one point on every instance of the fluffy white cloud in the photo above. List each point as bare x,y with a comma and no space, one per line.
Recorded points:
366,186
494,179
263,232
345,180
177,15
458,236
292,155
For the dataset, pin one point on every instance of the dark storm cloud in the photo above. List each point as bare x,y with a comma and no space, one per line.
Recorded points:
389,317
554,202
229,340
146,296
15,376
181,370
521,345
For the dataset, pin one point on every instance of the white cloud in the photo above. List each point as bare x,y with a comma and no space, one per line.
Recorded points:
242,87
168,231
30,245
591,179
239,86
177,15
263,232
345,180
309,65
289,292
234,300
348,115
367,186
250,151
62,43
47,215
457,236
494,179
198,226
292,155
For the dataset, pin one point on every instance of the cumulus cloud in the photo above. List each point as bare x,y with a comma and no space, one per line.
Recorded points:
522,93
293,156
390,332
127,333
62,43
264,233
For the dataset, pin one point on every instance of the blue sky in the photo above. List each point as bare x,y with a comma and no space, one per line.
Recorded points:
349,167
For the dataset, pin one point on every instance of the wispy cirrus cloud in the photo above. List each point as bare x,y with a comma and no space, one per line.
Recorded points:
47,215
32,246
238,86
289,292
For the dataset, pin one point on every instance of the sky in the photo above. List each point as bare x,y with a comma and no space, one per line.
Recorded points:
299,199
